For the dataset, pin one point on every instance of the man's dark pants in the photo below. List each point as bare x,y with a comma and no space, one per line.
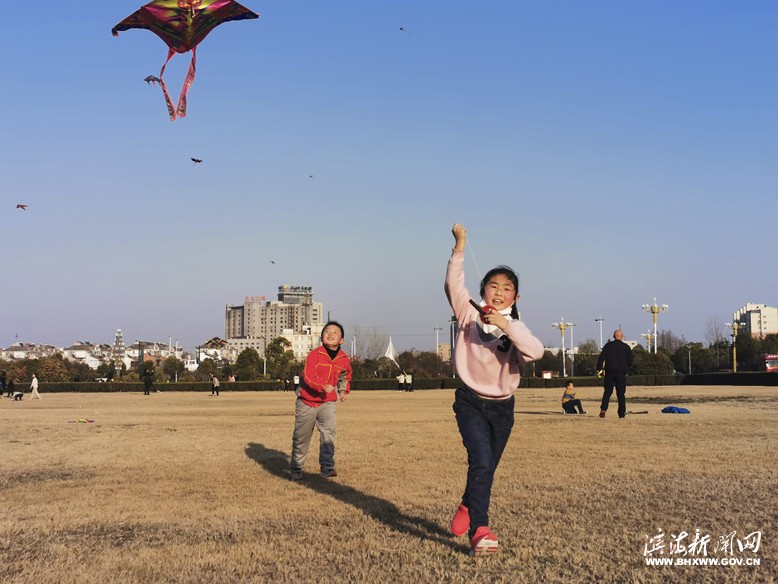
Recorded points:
619,381
485,426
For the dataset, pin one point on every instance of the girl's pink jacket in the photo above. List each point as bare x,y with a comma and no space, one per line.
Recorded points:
490,373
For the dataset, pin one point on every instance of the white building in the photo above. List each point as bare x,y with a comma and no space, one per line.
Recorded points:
258,321
760,320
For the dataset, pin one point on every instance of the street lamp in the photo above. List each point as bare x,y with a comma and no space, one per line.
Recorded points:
655,309
571,326
688,348
437,330
648,336
735,326
562,325
600,320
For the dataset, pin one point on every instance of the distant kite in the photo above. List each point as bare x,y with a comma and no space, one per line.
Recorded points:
196,160
151,80
22,207
182,24
403,29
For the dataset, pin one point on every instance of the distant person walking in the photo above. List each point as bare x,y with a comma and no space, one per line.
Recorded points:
569,401
215,386
616,359
408,382
3,382
401,381
148,381
34,388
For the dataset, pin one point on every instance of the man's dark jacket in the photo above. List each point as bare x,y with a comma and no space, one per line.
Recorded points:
617,358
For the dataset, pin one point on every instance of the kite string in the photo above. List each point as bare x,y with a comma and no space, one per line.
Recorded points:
470,247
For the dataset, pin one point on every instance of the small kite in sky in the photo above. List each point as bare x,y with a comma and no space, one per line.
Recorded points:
22,207
151,80
272,262
403,29
182,24
196,160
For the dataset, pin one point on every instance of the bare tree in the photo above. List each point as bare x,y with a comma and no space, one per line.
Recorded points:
371,342
714,331
670,342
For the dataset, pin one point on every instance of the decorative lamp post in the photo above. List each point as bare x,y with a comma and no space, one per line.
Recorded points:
655,309
735,326
562,325
648,336
571,326
688,348
600,320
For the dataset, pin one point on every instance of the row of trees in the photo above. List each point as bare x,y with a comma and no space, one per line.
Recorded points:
674,354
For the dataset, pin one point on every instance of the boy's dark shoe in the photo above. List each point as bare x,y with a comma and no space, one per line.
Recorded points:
329,473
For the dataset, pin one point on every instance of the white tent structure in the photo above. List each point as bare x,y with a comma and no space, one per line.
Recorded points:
391,352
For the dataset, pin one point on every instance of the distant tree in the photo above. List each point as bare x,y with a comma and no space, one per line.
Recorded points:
248,366
586,358
645,363
280,358
770,344
424,364
79,371
106,369
371,342
206,369
549,362
52,369
702,359
173,367
669,342
748,349
146,367
714,331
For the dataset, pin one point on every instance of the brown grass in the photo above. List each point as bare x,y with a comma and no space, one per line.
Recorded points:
182,487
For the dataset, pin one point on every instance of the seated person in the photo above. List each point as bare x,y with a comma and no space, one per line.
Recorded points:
569,402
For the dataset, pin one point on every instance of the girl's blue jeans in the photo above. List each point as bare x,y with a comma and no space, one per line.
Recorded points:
485,426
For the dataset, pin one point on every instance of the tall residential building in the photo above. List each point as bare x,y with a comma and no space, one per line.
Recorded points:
760,320
258,321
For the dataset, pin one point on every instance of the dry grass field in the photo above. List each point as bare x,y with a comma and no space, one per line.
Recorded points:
182,487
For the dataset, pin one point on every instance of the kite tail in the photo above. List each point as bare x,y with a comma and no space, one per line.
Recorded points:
187,84
170,110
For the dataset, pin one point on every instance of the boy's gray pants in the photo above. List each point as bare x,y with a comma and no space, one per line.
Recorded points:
305,418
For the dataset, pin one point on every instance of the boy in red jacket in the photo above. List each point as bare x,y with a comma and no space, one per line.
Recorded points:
327,376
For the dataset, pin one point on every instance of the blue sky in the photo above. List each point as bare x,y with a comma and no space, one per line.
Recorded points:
610,151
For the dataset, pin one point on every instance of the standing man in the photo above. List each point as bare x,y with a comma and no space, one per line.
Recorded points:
214,386
34,387
616,358
148,380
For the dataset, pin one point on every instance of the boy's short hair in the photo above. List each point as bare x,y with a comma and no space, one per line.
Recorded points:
333,323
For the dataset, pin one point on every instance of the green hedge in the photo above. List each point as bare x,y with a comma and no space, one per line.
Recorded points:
746,378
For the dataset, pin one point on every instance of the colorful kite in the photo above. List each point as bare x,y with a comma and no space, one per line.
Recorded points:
183,24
